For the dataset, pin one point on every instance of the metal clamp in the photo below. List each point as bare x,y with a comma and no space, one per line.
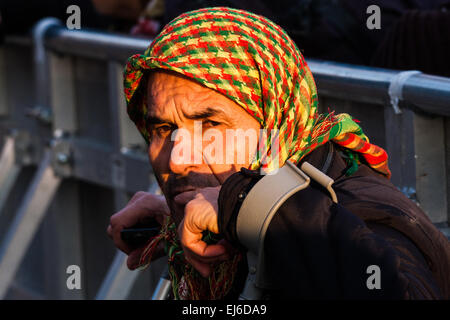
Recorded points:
62,157
396,88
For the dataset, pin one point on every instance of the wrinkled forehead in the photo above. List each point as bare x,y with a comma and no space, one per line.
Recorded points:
169,93
163,83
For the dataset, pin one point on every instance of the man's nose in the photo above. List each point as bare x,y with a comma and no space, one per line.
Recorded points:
186,152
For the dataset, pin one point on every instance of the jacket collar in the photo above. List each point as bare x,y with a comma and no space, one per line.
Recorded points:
327,158
321,158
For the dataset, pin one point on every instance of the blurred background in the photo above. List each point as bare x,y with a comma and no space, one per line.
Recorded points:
70,157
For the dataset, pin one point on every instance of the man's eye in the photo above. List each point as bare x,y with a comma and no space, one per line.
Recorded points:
163,130
211,123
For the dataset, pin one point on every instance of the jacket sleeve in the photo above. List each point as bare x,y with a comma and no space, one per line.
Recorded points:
316,249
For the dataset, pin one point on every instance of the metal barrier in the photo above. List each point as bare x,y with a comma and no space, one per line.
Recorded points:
76,157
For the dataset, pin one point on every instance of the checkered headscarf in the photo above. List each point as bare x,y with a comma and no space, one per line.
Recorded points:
252,61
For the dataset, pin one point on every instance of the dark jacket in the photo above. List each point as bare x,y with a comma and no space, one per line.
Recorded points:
321,250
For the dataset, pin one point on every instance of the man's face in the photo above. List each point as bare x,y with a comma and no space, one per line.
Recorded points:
192,130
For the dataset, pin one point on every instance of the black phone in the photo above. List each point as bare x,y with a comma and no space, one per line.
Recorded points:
138,236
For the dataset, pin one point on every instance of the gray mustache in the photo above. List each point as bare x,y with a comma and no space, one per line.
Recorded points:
191,181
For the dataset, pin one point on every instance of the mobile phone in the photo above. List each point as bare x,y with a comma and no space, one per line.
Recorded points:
137,237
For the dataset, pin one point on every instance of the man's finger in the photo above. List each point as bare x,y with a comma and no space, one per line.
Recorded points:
202,249
193,241
119,243
228,247
126,218
204,259
136,197
185,197
133,258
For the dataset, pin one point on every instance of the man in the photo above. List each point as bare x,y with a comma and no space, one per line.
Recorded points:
216,72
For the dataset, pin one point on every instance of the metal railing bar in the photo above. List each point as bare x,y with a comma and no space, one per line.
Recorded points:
357,83
429,93
93,44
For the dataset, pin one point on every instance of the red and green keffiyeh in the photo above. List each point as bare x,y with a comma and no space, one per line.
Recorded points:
251,60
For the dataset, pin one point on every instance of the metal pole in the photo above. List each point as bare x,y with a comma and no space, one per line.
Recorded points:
162,290
118,281
41,71
3,87
9,170
26,222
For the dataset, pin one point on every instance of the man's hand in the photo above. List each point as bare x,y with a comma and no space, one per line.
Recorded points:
143,207
201,214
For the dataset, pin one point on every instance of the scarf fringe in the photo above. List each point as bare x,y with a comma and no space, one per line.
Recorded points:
187,283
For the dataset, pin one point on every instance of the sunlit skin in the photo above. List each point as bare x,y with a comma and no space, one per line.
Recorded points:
191,190
175,102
